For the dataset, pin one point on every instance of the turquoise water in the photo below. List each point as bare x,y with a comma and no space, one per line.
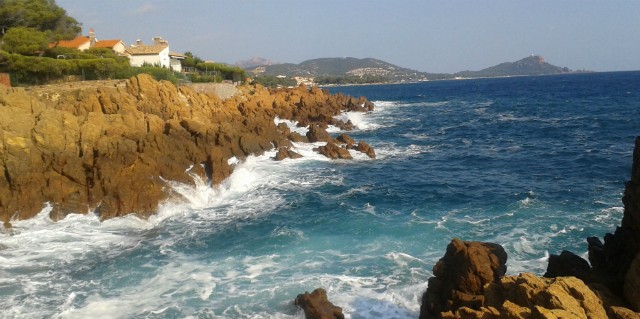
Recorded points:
535,164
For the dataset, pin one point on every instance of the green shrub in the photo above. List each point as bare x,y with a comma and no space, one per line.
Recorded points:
36,70
225,71
273,81
25,41
101,69
158,73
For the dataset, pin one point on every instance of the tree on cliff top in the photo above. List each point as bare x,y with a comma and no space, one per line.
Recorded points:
24,41
43,15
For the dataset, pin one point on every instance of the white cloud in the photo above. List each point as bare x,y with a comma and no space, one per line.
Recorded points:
144,9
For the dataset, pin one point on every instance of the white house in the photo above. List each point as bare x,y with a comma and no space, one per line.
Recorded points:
116,45
175,61
155,54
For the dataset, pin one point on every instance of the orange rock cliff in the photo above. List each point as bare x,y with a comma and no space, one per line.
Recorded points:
112,149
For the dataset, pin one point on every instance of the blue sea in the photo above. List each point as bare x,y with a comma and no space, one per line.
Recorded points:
536,164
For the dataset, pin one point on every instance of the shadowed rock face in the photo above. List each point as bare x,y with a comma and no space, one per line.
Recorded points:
622,249
460,277
614,267
111,149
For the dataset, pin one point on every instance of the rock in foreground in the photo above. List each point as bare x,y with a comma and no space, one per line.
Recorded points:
461,275
469,283
608,286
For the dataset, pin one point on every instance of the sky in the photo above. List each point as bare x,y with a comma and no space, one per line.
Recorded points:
443,36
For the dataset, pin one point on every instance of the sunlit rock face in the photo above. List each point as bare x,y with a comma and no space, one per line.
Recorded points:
111,149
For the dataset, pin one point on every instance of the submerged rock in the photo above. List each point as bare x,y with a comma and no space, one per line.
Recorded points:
346,139
317,306
333,151
366,148
286,153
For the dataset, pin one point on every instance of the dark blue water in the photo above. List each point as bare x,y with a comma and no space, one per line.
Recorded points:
535,164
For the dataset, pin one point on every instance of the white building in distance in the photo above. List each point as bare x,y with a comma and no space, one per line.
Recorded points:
156,54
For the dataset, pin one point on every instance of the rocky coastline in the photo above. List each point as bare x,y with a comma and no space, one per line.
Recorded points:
111,148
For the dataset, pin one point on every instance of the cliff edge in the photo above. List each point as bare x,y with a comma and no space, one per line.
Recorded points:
110,149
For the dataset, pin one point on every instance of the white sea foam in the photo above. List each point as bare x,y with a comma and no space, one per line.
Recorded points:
610,216
370,297
288,232
370,209
416,137
382,105
170,286
359,119
386,150
293,125
40,244
33,247
433,104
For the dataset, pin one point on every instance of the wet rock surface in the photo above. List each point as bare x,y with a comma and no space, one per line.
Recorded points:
317,306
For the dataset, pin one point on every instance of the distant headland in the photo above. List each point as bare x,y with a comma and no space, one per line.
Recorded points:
327,71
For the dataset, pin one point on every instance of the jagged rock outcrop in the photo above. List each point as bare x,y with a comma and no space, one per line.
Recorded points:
112,149
618,259
333,151
461,275
318,134
365,148
530,296
346,139
317,306
284,153
469,283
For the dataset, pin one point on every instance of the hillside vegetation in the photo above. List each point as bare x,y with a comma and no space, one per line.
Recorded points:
327,71
346,70
533,65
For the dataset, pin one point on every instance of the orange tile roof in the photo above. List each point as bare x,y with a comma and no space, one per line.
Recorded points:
107,43
74,44
146,49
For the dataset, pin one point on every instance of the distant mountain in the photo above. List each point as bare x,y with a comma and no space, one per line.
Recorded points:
369,70
254,62
533,65
373,69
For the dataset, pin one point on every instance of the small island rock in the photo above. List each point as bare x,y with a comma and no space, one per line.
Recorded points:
333,151
317,306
